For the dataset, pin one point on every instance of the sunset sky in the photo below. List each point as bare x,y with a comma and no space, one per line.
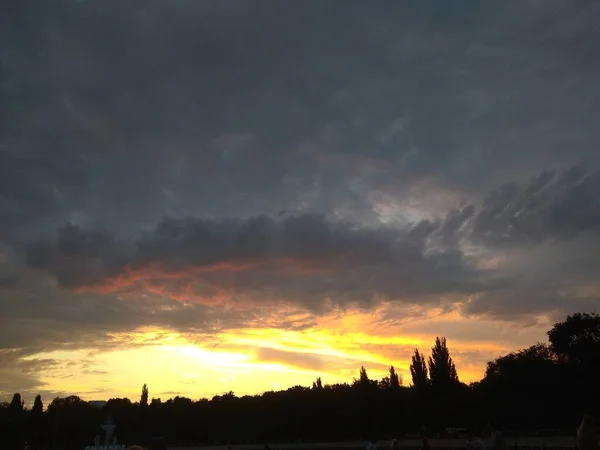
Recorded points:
213,196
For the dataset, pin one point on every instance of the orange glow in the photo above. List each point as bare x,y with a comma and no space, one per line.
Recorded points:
258,358
153,279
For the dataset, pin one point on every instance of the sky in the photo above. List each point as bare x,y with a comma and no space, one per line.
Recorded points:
214,196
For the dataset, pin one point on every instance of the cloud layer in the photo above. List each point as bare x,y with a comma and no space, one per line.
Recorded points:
303,259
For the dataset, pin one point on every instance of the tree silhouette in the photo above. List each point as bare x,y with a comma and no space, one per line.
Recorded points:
317,384
38,406
515,365
442,371
418,371
394,378
525,376
575,343
17,403
577,339
72,401
363,378
144,396
72,421
363,381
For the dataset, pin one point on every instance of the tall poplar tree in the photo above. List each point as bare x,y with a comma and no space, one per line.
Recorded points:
442,371
418,371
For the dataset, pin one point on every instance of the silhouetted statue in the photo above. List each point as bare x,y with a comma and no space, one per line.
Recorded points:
475,443
425,444
498,441
157,444
586,434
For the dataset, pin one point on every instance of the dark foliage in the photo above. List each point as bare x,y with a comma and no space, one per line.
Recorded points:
144,396
442,371
543,386
38,406
418,371
16,404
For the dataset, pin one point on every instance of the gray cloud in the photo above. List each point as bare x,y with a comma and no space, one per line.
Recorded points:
553,281
41,317
547,233
21,374
9,281
318,264
177,274
312,111
304,259
551,206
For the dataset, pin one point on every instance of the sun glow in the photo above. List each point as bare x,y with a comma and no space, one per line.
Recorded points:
254,360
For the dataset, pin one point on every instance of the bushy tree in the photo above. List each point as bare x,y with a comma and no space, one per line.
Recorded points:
577,339
526,376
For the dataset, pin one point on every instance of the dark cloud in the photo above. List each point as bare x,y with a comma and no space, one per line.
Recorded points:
180,274
551,206
83,256
547,232
546,293
304,259
9,282
40,318
191,266
282,107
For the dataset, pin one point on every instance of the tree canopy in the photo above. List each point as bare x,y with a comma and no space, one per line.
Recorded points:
577,339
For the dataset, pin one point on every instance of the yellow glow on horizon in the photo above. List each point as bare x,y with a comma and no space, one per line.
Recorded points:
253,360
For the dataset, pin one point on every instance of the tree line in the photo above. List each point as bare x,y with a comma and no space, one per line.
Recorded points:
546,386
